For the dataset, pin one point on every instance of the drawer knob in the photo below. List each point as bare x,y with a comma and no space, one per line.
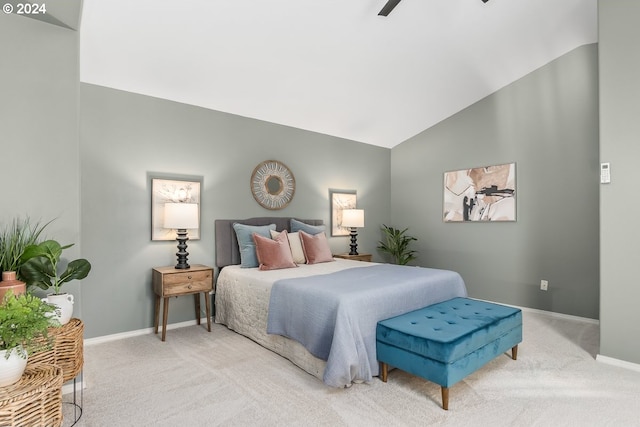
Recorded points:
190,286
189,277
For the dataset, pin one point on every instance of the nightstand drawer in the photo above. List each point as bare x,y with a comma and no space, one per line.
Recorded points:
186,282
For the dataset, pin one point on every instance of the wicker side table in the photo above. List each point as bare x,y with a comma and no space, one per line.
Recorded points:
67,353
45,356
68,347
35,400
66,350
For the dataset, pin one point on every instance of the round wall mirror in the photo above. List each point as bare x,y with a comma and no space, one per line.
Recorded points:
272,184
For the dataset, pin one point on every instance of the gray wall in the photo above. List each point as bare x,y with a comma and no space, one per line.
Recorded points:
39,171
124,137
546,122
619,144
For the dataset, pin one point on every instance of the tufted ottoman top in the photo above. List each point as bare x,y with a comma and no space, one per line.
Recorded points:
449,330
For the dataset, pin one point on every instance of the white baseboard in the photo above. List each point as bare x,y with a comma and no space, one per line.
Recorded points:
136,333
600,358
617,362
129,334
68,386
561,315
549,313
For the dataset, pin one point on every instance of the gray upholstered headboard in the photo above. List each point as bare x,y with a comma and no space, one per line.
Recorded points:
227,251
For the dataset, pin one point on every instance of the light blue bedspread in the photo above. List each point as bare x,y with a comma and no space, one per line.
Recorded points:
335,315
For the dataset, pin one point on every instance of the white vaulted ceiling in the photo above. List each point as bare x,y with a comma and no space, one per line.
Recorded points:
330,66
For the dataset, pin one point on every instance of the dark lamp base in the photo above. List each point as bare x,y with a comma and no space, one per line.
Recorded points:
354,243
182,253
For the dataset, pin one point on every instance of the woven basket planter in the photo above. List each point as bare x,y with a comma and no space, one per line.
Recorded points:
35,400
67,350
48,357
44,356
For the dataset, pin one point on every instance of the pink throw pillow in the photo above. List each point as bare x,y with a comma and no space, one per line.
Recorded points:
316,247
273,254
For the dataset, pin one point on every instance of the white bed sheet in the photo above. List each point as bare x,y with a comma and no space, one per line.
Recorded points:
242,304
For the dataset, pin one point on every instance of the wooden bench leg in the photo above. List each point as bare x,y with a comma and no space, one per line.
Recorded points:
514,352
445,398
384,371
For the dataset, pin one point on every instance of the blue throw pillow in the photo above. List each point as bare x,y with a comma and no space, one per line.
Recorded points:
307,228
244,233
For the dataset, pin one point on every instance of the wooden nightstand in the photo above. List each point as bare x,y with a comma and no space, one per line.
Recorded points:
172,282
359,257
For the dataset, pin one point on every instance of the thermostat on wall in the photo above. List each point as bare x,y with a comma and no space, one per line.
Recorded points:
605,173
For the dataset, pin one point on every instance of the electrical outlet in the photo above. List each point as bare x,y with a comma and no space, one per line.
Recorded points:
544,285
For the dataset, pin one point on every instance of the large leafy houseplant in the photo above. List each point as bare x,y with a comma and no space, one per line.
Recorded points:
14,238
24,323
396,243
41,262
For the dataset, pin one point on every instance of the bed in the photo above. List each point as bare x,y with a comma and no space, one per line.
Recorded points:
333,342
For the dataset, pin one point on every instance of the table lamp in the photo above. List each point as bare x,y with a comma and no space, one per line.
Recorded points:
181,216
353,218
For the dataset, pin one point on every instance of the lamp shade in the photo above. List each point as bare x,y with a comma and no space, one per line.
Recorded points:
181,215
353,218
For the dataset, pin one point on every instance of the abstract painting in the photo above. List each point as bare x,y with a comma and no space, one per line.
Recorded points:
480,194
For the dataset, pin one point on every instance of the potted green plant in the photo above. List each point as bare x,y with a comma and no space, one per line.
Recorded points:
24,323
396,244
14,238
40,268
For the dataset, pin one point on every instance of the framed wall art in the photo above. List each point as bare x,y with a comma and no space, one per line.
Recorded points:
339,200
480,194
171,189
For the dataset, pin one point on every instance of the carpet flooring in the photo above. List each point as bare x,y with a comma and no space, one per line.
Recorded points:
197,378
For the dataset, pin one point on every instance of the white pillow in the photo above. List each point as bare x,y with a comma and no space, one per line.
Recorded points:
295,244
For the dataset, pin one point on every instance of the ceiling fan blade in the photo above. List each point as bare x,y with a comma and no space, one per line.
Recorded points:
388,7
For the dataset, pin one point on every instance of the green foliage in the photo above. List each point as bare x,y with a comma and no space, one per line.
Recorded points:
396,244
24,321
14,239
40,266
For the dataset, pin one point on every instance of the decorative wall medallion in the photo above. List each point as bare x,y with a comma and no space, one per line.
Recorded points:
272,184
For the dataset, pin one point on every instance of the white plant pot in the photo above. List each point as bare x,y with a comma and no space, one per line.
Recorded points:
11,369
64,302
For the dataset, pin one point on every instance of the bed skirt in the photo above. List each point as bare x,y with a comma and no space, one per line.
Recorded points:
250,320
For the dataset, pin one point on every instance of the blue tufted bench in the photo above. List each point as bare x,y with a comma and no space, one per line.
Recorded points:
445,342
